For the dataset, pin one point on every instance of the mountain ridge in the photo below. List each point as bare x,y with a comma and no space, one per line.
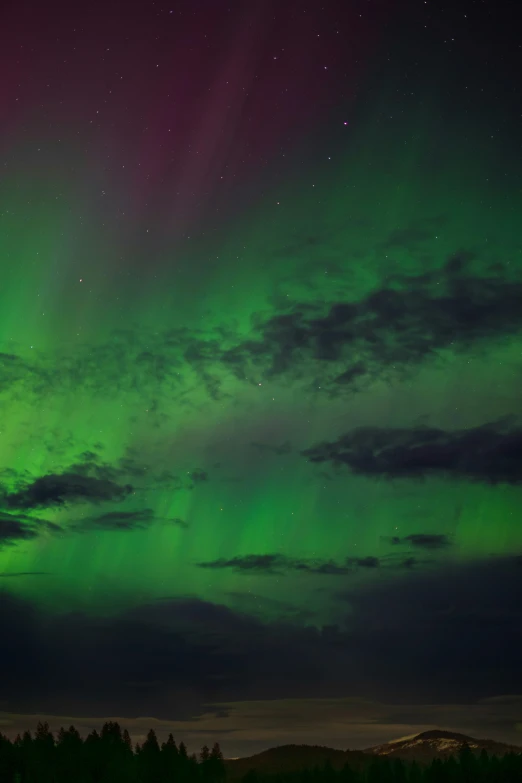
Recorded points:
439,743
422,748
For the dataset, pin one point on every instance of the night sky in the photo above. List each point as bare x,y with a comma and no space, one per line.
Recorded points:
261,369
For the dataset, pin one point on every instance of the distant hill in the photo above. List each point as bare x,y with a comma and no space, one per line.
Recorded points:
293,758
429,745
422,748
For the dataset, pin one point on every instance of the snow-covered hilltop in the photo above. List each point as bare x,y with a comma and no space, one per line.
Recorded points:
429,745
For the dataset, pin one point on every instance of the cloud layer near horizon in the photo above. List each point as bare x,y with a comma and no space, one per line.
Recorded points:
448,637
245,728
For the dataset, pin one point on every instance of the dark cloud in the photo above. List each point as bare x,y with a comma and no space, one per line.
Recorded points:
117,520
124,521
490,453
10,574
65,488
129,468
14,529
148,363
113,654
198,476
334,345
396,560
348,377
21,527
261,605
423,540
451,634
16,371
365,562
279,564
410,562
89,480
179,522
265,564
408,319
455,624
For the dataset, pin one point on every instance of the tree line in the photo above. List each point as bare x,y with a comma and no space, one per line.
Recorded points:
110,757
105,757
465,768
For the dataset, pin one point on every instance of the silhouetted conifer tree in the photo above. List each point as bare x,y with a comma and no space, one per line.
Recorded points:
41,761
349,775
69,755
415,774
214,767
149,761
169,760
7,759
327,773
127,740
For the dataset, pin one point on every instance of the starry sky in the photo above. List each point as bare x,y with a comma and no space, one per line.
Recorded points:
261,369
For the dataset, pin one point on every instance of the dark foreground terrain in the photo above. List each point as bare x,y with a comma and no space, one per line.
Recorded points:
111,757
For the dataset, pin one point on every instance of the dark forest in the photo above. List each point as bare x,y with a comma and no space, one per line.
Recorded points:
110,756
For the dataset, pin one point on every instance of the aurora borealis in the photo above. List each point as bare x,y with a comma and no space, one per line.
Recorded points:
261,369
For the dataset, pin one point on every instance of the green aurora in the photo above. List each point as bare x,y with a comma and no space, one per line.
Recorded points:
164,378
